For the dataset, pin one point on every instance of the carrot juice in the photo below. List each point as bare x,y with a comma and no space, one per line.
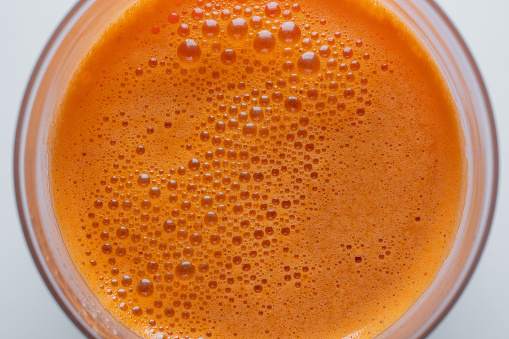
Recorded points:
252,169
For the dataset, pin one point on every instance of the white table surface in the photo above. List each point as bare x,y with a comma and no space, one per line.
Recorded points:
27,309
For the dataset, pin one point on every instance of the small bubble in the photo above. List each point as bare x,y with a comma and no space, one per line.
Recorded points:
154,192
309,63
126,280
145,288
137,311
272,9
140,150
210,218
197,13
264,42
349,93
237,28
293,104
210,28
237,240
189,51
256,114
256,22
249,130
173,18
169,226
206,201
183,30
193,164
228,57
289,32
185,270
325,51
347,53
169,312
122,232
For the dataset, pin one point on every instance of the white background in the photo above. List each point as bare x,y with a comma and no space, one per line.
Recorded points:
27,309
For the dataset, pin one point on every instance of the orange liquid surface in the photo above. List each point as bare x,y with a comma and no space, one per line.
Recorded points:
257,170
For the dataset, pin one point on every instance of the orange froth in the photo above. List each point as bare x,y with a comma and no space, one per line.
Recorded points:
257,170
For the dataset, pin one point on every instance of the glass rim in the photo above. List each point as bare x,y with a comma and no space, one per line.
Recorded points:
24,214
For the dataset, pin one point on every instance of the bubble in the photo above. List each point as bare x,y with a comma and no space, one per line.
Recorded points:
347,53
264,42
237,29
210,28
244,177
152,266
349,93
237,240
307,43
215,46
258,176
258,288
197,13
271,215
228,57
137,311
169,312
185,270
293,104
355,65
122,293
183,30
203,267
272,9
206,201
193,164
107,248
210,218
256,22
169,226
289,32
143,180
249,130
145,288
220,127
189,51
256,114
186,205
140,150
309,63
288,66
122,232
173,18
214,239
325,51
195,239
154,192
126,280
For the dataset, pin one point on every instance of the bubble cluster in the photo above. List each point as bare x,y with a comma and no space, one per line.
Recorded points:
230,144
